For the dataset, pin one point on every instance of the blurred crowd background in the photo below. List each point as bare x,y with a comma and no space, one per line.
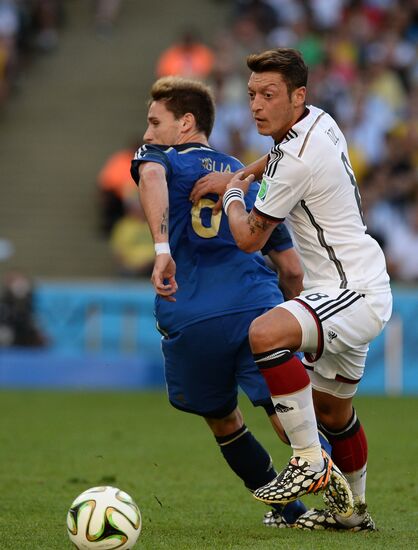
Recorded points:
363,63
362,56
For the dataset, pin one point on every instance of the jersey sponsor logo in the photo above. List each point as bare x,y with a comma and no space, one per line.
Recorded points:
262,192
278,407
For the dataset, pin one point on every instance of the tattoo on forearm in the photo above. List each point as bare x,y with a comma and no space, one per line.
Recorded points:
257,224
164,223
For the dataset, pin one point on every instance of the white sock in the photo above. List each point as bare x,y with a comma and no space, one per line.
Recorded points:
297,416
357,481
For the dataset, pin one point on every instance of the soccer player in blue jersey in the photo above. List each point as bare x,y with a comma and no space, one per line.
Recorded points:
208,291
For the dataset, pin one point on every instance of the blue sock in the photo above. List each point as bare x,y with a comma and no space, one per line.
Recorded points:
247,458
292,510
252,463
325,444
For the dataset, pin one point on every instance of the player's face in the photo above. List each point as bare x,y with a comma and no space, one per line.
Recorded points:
273,110
163,128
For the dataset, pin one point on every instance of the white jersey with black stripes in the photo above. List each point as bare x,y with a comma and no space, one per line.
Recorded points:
309,181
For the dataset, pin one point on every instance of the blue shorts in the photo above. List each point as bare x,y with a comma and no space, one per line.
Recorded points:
207,361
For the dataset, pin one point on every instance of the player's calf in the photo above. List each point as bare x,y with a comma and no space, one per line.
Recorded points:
252,463
349,451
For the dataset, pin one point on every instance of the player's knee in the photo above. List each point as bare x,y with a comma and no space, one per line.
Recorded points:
276,329
260,337
332,419
227,425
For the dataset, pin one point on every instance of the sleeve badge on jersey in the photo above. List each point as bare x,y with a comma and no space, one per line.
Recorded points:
262,192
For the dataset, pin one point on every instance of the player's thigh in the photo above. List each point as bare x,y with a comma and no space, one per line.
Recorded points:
333,320
200,366
337,325
276,328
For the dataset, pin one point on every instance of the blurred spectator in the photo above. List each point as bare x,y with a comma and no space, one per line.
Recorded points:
188,57
46,16
262,13
17,322
115,183
327,14
367,123
9,29
6,249
402,245
308,42
105,15
26,27
131,242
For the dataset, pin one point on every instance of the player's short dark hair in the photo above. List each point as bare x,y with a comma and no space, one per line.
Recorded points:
183,96
286,61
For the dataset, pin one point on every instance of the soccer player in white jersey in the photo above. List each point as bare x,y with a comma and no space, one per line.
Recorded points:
308,180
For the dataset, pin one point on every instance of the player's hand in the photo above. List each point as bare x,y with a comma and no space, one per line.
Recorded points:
214,182
240,182
163,277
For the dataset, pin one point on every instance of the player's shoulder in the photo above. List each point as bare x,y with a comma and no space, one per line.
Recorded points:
317,133
149,149
150,153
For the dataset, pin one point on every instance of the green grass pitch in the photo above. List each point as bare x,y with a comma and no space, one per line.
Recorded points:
54,445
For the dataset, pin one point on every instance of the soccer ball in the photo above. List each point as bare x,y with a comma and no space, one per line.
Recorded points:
104,518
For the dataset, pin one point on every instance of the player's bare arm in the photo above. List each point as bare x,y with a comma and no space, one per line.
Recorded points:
216,182
289,268
251,231
153,193
164,223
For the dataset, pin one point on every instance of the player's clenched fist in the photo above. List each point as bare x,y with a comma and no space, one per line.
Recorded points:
163,277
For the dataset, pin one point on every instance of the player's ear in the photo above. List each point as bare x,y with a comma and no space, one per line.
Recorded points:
188,121
299,96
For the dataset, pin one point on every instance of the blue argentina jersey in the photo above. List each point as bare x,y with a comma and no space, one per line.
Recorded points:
214,277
